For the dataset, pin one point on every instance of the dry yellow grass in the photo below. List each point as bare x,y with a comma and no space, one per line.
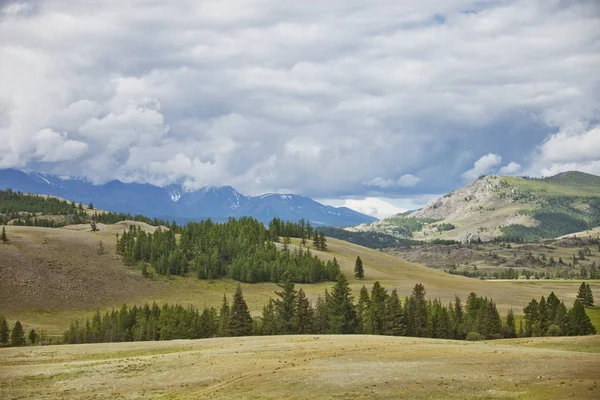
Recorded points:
52,276
300,367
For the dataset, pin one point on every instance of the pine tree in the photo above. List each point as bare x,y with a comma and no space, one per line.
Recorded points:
580,323
359,271
285,308
322,242
417,312
375,315
581,294
17,336
316,241
394,316
589,297
268,319
321,315
509,330
4,331
341,312
32,336
240,320
303,319
3,237
223,317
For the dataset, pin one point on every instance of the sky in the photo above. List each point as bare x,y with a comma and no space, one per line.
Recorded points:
381,106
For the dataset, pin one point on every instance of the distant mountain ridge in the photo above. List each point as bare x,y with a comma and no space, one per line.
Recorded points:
504,207
173,203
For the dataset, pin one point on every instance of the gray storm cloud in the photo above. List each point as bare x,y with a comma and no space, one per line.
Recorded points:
327,99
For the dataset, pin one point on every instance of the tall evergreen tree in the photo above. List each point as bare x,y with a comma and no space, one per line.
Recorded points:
285,308
509,330
394,324
224,318
4,331
303,319
240,320
341,312
582,294
589,297
321,315
17,335
359,271
269,326
32,336
417,312
374,318
3,237
322,242
580,323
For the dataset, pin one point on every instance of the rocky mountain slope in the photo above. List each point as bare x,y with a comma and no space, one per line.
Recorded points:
496,206
174,203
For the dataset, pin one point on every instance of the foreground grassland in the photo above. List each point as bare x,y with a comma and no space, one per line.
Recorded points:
52,276
300,367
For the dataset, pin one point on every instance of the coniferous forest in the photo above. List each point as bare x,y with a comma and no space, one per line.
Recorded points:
242,249
375,312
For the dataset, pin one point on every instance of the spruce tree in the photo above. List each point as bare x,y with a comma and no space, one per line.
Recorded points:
285,308
394,316
589,297
322,241
3,237
581,294
4,331
303,319
240,320
359,271
509,330
417,312
32,336
17,335
223,317
580,323
341,312
268,319
321,315
316,241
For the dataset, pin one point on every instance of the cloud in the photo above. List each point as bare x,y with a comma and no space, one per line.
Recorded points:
329,99
512,168
569,150
406,180
484,165
382,207
52,146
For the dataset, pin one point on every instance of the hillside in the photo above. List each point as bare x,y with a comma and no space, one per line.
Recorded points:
50,276
300,367
508,208
174,203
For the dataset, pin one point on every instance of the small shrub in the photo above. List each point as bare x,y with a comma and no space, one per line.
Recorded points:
474,337
554,330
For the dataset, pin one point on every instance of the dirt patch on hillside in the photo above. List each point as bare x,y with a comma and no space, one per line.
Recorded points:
48,269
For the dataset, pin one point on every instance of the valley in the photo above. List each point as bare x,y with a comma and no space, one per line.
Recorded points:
54,275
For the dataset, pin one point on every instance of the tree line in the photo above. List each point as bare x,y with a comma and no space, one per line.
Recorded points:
242,249
377,312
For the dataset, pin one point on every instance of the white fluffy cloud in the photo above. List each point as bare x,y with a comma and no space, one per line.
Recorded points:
52,146
484,165
381,207
569,151
406,180
512,168
315,98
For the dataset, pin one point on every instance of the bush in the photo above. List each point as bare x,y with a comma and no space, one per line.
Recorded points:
554,330
474,337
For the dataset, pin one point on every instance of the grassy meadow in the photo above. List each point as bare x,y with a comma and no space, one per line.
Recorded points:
304,367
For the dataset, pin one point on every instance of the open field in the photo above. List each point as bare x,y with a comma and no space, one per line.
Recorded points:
52,276
300,367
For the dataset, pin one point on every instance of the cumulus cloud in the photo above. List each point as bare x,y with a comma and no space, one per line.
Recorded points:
569,150
313,98
485,165
51,146
406,180
512,168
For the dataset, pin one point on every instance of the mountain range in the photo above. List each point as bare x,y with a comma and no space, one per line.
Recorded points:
174,203
502,207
